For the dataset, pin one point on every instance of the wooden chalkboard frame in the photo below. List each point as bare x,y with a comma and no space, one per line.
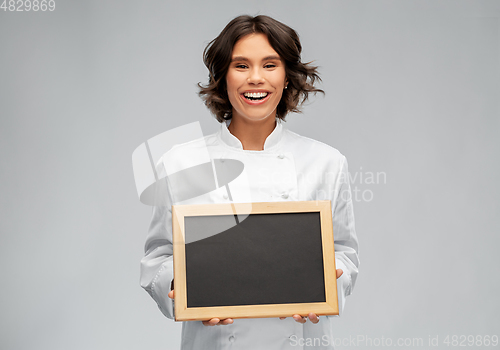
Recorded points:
183,313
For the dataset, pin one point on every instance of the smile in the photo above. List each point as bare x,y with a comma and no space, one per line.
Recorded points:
254,98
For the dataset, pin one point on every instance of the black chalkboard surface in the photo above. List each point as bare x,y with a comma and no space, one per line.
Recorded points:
254,260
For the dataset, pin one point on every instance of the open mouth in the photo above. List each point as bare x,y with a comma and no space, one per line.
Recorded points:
255,96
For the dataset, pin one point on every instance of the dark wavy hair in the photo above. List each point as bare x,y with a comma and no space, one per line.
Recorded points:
284,40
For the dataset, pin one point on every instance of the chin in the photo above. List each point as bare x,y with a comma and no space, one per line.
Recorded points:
259,117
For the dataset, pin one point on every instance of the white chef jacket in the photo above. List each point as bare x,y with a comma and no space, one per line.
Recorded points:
290,168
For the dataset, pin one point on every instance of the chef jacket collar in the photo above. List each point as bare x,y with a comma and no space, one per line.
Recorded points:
272,140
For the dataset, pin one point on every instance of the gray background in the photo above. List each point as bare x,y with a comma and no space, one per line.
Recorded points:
412,91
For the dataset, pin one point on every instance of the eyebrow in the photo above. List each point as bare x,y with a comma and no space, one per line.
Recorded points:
267,58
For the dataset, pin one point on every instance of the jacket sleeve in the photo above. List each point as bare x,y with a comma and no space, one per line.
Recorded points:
157,264
345,239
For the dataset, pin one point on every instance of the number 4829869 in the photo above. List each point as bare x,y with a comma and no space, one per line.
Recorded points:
28,5
471,340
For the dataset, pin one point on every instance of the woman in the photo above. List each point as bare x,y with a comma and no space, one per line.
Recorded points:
255,79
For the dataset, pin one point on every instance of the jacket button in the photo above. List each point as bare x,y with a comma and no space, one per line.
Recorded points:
281,156
284,195
231,338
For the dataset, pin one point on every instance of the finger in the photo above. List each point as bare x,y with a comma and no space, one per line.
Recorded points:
211,322
282,318
226,321
299,319
171,294
339,272
313,317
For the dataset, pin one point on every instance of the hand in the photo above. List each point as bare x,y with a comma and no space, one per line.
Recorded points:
171,293
211,322
311,316
217,322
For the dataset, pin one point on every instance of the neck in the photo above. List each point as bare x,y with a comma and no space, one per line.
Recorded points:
251,134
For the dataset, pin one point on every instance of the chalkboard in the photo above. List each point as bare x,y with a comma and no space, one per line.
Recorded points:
253,260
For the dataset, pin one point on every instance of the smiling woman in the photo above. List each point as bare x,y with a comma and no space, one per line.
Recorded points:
256,78
278,45
255,81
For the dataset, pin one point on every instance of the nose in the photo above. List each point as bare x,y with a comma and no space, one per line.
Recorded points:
255,76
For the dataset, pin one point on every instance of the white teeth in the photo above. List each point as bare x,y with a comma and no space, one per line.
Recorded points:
255,94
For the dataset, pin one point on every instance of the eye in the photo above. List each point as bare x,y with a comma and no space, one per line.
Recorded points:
270,65
241,66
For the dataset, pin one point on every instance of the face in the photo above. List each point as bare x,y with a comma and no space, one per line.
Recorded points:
255,79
